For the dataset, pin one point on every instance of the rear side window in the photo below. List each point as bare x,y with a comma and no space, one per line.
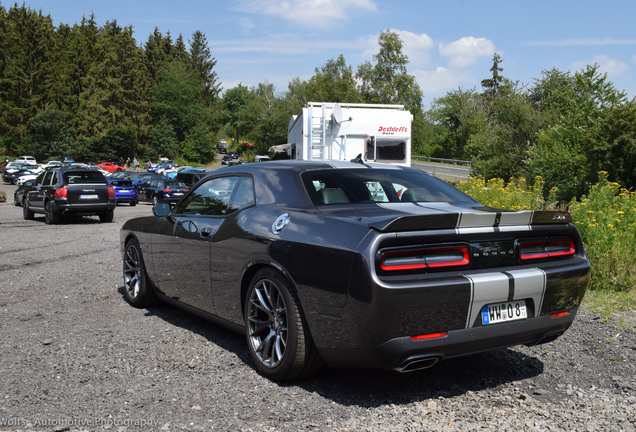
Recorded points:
46,181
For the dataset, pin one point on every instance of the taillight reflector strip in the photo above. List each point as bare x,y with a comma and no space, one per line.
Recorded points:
429,336
546,249
424,258
559,314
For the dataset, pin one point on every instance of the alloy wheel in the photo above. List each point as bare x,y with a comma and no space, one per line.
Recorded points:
267,322
132,272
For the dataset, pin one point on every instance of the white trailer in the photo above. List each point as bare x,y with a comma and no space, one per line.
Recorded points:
333,131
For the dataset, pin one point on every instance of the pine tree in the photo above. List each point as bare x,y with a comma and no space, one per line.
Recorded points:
202,63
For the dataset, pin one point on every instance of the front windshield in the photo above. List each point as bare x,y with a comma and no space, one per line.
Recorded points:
340,186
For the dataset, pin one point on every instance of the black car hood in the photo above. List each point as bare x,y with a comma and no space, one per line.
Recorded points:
412,216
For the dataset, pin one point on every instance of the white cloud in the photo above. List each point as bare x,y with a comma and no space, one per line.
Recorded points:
441,80
310,13
608,65
417,47
466,51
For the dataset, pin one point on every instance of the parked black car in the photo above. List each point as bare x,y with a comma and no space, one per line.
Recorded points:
144,180
12,177
356,265
162,190
18,195
66,191
190,177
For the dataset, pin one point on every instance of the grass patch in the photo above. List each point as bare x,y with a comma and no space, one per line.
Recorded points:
608,303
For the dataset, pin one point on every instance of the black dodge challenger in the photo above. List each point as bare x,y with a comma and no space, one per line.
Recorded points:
352,264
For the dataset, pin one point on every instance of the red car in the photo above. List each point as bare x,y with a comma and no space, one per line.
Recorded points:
110,167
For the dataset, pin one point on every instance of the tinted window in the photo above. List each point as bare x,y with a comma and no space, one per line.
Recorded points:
85,177
218,197
338,186
386,150
43,178
175,184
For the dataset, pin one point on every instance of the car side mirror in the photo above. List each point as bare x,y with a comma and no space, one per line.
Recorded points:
162,209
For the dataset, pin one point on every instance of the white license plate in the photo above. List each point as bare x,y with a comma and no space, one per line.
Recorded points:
124,190
89,197
177,193
502,312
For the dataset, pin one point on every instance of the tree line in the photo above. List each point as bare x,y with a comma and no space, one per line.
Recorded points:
90,91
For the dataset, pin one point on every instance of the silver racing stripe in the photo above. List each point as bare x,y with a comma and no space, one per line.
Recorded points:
530,283
488,288
485,288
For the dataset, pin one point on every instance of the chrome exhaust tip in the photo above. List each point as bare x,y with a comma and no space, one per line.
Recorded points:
417,364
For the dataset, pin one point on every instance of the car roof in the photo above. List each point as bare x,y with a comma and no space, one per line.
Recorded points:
280,183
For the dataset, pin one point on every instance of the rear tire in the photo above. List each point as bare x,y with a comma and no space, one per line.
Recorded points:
278,338
137,289
107,217
50,217
133,203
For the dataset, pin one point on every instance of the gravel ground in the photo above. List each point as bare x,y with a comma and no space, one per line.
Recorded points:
76,357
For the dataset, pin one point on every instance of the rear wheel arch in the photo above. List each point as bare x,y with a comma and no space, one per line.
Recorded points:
254,268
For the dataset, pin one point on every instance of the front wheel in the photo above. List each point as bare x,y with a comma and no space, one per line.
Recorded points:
137,289
278,338
26,211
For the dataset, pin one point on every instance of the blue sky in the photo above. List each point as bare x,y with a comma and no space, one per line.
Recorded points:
449,42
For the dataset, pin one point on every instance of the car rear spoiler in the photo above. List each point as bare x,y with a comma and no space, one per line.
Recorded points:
495,220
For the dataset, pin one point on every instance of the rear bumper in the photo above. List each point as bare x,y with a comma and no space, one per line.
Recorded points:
64,208
404,354
126,197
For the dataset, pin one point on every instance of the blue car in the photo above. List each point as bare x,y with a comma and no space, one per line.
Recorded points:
124,190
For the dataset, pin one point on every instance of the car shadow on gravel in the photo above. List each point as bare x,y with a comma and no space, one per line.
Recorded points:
374,387
449,378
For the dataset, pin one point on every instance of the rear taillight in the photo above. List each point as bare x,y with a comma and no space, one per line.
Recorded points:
185,190
111,191
424,258
167,190
61,192
540,249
